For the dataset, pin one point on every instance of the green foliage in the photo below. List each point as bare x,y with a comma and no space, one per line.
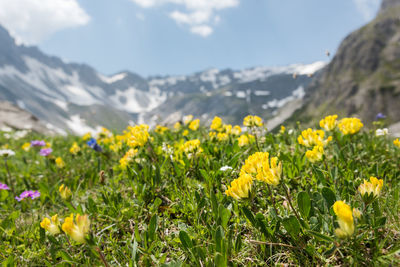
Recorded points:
170,209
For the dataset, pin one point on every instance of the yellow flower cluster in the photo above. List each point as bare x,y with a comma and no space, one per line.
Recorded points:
259,166
191,147
79,230
315,154
252,121
60,163
51,225
244,139
137,136
328,123
223,131
161,129
74,148
194,125
310,138
350,125
65,192
240,187
216,124
127,158
345,219
397,142
371,188
76,231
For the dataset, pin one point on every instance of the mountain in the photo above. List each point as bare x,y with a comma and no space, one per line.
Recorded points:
72,97
363,78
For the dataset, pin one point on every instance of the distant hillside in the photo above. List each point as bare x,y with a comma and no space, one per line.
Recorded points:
76,98
363,79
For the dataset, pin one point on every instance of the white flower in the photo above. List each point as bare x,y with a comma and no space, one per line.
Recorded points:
225,168
20,134
6,153
380,132
290,131
5,129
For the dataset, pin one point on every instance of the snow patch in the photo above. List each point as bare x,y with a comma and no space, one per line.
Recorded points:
114,78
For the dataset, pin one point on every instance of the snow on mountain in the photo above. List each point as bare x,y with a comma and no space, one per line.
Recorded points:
77,98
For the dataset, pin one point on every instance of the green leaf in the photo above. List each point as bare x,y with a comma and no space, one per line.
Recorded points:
249,215
304,203
153,227
219,235
185,240
292,226
322,237
329,196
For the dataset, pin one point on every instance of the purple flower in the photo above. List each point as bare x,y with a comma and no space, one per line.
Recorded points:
4,187
29,193
380,116
45,151
38,143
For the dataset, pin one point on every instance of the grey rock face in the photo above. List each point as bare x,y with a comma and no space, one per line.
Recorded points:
363,78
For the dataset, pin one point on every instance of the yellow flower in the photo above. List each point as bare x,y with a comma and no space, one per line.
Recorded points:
194,125
212,135
270,174
86,136
328,123
350,125
397,142
240,187
258,166
177,125
372,188
216,124
26,146
52,226
251,121
243,140
315,154
227,128
282,129
222,137
65,192
127,158
161,129
357,213
187,119
185,133
60,163
79,230
310,138
137,136
236,130
345,219
74,148
191,146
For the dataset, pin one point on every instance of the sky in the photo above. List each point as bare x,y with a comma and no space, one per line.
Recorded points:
178,37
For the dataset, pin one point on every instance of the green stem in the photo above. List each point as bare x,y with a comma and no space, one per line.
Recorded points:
290,202
272,199
9,176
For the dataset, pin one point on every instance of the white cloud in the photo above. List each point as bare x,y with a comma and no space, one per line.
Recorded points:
367,8
202,30
31,21
199,15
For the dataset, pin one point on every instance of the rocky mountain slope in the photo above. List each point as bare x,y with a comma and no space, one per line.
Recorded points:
363,78
76,98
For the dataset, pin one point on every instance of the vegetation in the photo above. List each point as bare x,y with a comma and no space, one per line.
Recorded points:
190,195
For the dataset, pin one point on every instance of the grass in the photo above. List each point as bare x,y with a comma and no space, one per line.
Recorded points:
169,208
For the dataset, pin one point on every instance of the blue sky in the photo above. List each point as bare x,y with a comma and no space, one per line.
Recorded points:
163,37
